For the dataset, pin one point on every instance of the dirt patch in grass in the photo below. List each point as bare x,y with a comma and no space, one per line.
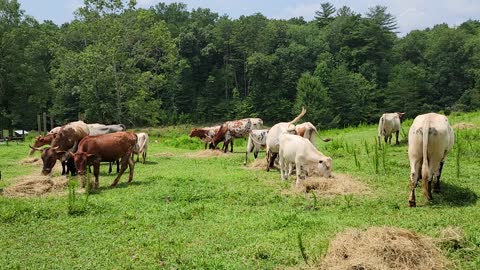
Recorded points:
463,125
32,160
205,154
36,185
382,248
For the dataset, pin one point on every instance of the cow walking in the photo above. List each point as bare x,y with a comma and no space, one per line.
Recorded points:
108,147
429,140
141,146
388,124
257,139
234,129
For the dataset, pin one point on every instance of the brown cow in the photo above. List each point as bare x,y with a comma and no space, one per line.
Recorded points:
205,134
41,141
65,139
108,147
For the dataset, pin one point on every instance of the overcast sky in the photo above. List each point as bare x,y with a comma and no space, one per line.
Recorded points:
410,14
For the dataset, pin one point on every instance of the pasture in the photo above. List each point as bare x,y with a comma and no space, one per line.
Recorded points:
186,211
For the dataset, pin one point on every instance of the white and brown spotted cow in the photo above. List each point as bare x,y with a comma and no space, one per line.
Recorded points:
234,129
205,134
429,140
257,139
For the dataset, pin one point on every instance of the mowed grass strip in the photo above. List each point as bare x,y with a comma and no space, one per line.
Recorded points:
210,212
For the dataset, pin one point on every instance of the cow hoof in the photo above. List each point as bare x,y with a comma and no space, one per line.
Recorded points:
412,204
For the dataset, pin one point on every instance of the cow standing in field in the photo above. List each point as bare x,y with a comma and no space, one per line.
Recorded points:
388,124
108,147
64,140
205,134
272,142
234,129
141,146
257,139
429,140
298,151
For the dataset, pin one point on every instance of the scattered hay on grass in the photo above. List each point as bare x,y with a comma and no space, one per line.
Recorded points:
380,248
31,160
260,164
206,154
36,185
463,125
339,184
451,238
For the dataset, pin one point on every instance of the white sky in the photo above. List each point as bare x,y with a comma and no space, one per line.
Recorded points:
410,14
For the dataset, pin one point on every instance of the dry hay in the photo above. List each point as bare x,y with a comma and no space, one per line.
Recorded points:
31,160
35,185
260,164
463,125
339,184
380,248
206,154
164,154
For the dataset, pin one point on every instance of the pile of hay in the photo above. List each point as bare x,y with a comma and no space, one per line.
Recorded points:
340,184
206,154
380,248
33,185
463,125
164,154
260,164
31,160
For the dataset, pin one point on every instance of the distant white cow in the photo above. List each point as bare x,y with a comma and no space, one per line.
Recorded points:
388,124
141,146
429,140
272,147
100,129
301,152
257,139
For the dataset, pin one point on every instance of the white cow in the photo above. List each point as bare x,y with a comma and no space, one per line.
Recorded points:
301,152
429,140
100,129
388,124
272,147
257,139
141,146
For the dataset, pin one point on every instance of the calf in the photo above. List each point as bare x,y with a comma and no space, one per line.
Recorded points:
273,138
388,124
205,134
108,147
257,140
429,140
301,152
141,146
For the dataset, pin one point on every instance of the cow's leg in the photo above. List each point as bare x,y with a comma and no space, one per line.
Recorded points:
255,154
118,166
144,156
110,167
124,162
130,167
427,183
436,185
290,169
298,173
272,159
413,182
96,173
396,137
231,146
282,167
385,138
206,146
268,160
63,168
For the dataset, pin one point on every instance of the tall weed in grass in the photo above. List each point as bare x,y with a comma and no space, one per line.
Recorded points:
384,157
458,153
375,158
365,143
72,207
301,246
357,163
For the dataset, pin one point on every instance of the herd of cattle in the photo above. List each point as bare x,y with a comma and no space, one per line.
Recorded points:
79,145
429,140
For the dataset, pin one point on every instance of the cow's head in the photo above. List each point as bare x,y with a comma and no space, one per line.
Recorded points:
401,115
49,158
41,141
194,133
324,167
81,160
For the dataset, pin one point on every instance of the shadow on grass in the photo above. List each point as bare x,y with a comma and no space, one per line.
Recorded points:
147,162
122,185
451,195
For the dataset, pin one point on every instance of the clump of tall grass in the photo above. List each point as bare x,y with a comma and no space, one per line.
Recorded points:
73,208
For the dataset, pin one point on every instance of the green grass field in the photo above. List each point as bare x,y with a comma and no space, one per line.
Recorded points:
212,213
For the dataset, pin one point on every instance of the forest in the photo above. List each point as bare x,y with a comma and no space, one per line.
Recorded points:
165,65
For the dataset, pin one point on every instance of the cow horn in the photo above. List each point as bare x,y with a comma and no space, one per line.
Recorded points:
36,148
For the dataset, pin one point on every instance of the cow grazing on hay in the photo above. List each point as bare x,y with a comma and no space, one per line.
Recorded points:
108,147
205,134
429,140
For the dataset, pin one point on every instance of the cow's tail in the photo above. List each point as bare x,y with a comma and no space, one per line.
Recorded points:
299,116
425,167
380,130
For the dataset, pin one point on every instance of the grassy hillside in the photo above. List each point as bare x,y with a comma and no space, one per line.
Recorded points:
184,212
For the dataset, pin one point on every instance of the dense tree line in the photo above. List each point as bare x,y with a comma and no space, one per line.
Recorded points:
167,64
